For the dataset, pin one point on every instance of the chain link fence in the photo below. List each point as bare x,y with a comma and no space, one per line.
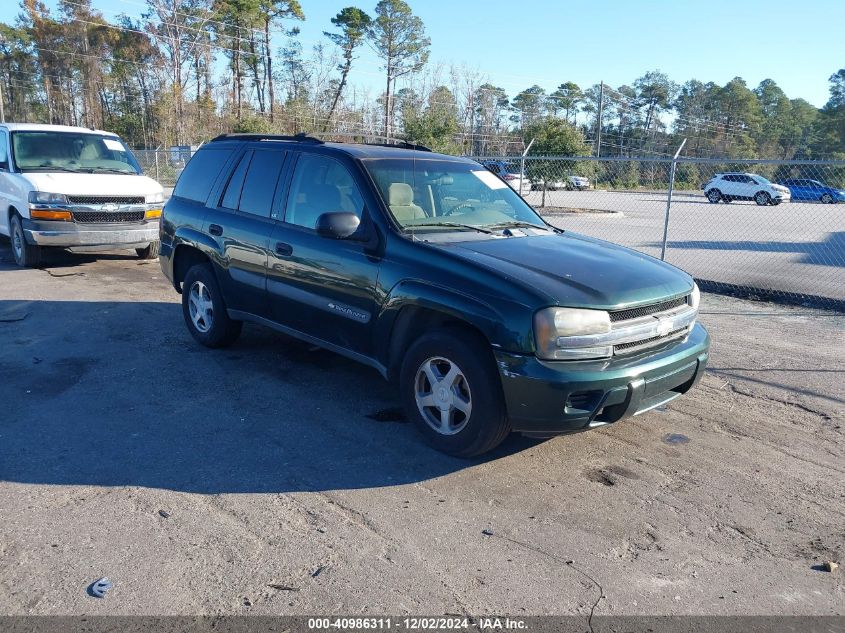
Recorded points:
722,222
163,165
713,224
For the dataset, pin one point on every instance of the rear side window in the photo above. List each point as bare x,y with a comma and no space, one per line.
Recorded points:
260,182
200,174
232,197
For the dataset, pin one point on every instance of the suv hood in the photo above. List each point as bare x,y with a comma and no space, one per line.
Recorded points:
92,184
577,271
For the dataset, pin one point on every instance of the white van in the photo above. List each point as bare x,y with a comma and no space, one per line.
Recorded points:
71,187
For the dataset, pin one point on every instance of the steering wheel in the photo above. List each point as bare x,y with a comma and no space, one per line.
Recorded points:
462,205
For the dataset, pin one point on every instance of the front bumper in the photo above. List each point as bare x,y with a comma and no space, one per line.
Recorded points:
93,236
553,397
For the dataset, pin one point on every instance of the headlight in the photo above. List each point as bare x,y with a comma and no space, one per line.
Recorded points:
155,198
42,197
553,325
695,297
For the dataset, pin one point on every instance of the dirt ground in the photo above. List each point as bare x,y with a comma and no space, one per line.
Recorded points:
273,478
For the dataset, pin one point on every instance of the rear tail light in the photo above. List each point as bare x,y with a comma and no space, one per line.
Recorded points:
508,177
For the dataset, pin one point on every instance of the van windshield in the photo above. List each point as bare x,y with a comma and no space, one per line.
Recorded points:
432,193
72,151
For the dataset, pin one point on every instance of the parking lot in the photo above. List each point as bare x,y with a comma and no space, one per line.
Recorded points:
275,478
796,247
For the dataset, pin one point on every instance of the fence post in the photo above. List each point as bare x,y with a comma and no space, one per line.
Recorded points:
669,199
155,153
522,167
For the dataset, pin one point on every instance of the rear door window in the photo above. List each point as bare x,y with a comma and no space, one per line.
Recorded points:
232,196
201,173
259,185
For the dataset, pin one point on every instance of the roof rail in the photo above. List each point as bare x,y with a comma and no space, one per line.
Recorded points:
389,140
300,138
305,138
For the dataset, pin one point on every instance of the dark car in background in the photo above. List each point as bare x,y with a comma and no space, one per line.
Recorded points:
431,270
808,189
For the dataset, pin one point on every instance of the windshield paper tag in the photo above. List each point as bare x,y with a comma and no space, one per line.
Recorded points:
112,144
489,179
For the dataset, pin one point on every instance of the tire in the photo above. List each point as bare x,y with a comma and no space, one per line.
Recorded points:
762,198
26,255
150,251
826,199
713,196
434,357
211,328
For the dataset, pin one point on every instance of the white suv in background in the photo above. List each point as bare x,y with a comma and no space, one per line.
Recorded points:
742,186
71,187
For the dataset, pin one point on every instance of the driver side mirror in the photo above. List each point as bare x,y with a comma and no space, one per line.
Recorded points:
337,225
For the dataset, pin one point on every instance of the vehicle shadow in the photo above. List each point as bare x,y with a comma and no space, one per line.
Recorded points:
119,394
61,258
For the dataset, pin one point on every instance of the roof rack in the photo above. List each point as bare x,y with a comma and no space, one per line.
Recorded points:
305,138
389,140
300,138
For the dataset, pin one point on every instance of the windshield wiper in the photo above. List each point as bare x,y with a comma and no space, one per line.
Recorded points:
454,225
51,168
111,170
517,224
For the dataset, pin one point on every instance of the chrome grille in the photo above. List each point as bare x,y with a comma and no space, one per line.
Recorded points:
635,313
107,217
648,342
106,199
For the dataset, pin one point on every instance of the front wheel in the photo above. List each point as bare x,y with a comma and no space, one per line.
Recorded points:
450,389
714,195
762,198
26,255
150,251
826,198
205,311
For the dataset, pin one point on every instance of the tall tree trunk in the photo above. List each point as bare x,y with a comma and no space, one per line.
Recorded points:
337,94
387,96
268,66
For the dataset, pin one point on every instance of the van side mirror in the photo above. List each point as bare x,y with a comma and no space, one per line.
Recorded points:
337,225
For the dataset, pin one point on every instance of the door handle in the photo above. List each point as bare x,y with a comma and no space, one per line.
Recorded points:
283,249
215,229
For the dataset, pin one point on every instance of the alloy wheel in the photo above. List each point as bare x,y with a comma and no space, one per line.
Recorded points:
200,307
443,395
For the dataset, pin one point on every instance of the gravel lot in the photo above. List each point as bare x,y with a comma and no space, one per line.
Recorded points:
797,247
276,479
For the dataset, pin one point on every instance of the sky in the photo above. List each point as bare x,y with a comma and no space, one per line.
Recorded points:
517,44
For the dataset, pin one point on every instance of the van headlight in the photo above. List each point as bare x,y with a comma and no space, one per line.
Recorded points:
552,326
42,197
155,198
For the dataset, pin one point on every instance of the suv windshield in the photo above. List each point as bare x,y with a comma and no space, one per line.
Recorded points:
432,193
72,151
759,178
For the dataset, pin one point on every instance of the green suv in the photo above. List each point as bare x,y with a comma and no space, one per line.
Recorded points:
435,272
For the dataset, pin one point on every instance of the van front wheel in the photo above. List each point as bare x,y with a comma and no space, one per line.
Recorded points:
26,255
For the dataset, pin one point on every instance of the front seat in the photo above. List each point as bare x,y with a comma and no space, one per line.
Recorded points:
401,201
319,199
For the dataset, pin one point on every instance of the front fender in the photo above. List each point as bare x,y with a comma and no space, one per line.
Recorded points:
506,325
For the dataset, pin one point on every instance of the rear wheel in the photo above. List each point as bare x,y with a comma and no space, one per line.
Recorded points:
826,198
762,198
714,195
204,309
26,255
150,251
450,389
